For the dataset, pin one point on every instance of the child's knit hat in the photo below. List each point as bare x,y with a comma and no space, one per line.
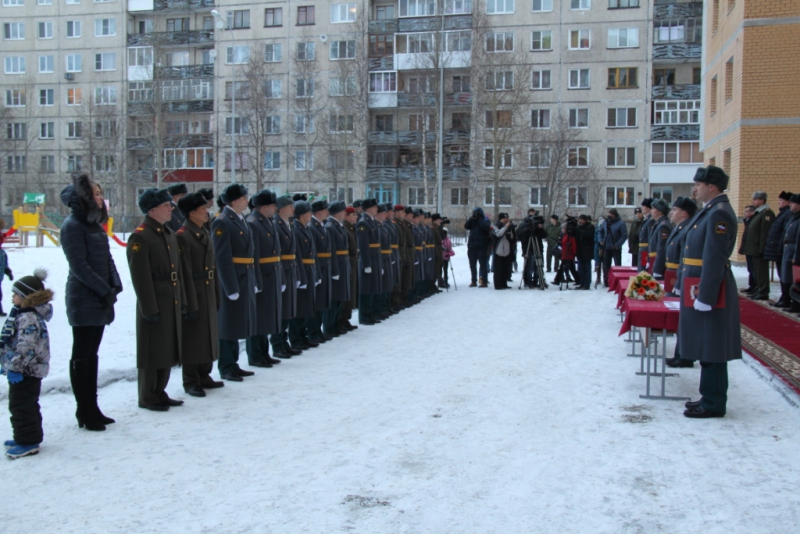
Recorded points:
27,285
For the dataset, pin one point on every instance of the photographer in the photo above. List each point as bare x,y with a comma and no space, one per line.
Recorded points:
612,237
584,237
478,244
503,244
530,229
553,230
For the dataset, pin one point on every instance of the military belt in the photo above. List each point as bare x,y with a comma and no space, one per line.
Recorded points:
243,261
673,266
374,245
652,255
417,248
171,277
386,251
202,276
695,262
344,252
643,245
395,246
308,261
429,246
287,257
323,254
269,259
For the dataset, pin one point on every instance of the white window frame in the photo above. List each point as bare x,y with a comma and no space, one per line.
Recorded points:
47,64
105,95
578,73
575,192
336,50
16,130
16,98
275,88
488,196
75,92
544,36
542,197
47,130
105,27
307,85
383,77
542,6
74,29
577,151
341,123
308,53
417,8
105,163
500,42
627,153
630,37
273,125
235,19
666,112
580,5
275,54
677,146
537,153
500,7
574,119
44,2
627,112
461,194
540,118
44,29
237,55
304,160
14,65
507,161
140,56
74,130
337,88
506,76
47,164
13,3
272,160
628,193
544,76
303,124
14,31
343,13
74,163
104,58
237,126
48,96
74,63
582,34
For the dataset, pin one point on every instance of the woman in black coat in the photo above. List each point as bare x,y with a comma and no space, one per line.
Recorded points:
92,287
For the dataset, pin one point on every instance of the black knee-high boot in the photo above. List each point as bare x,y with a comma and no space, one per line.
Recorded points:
79,376
94,363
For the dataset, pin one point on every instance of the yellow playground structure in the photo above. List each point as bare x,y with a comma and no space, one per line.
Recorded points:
34,223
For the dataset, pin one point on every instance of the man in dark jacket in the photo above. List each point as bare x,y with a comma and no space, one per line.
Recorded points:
584,238
327,268
478,244
369,262
553,230
633,236
530,234
757,232
749,211
350,220
657,244
773,251
612,237
177,192
644,231
306,258
340,282
292,276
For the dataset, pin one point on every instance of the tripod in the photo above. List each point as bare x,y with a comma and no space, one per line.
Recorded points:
533,246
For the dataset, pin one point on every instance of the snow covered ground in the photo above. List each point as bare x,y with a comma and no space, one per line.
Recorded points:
475,412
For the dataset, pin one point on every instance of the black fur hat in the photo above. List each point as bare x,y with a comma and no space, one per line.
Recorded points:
686,204
409,210
301,207
357,203
264,197
337,207
712,175
152,198
283,201
785,195
300,196
220,203
381,208
661,205
80,198
189,203
233,192
178,189
436,217
648,202
319,205
368,203
207,193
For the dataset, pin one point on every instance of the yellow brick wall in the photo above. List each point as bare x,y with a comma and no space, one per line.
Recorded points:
765,9
769,86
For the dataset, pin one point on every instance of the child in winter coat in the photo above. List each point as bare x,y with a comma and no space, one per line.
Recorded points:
4,269
447,253
569,248
25,359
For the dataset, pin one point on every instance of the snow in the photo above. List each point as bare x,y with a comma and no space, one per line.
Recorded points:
476,411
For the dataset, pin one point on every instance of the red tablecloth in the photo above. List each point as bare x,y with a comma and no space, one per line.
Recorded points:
649,314
621,287
620,272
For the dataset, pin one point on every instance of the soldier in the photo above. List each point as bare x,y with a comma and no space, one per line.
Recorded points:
419,256
349,223
773,251
357,205
292,276
633,236
340,282
200,346
788,258
177,192
306,257
208,194
269,299
436,230
430,277
644,232
407,278
396,220
326,270
710,330
234,251
153,257
757,231
659,234
369,262
387,280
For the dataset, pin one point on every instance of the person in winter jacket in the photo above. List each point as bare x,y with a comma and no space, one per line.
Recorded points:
584,238
633,235
774,249
5,270
757,232
92,288
569,250
447,253
478,244
502,239
25,360
612,237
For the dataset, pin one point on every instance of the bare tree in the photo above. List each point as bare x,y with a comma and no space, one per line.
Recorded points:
309,102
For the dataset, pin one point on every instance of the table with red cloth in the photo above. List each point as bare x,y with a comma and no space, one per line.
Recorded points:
621,287
620,272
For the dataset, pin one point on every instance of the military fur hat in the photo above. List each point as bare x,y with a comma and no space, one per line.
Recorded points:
207,193
300,196
419,213
152,198
436,217
265,197
220,203
319,205
177,189
301,207
368,203
409,210
648,202
795,199
381,208
337,207
357,203
661,205
283,201
233,192
189,203
785,195
686,204
712,175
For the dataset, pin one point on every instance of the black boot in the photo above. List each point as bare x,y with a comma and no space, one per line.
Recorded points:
93,367
79,377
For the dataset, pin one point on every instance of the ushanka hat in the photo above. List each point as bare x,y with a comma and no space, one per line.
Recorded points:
795,199
409,210
686,204
152,198
189,203
233,192
337,207
368,203
301,207
319,205
358,204
648,202
283,201
437,217
265,197
712,175
177,189
207,193
785,195
381,208
661,205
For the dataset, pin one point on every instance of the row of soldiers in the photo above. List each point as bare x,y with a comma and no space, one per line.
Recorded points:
287,275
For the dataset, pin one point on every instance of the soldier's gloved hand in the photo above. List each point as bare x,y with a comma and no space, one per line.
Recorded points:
297,285
190,316
381,272
14,377
156,317
318,282
416,263
657,276
304,286
234,296
283,288
335,277
256,290
368,270
699,306
676,291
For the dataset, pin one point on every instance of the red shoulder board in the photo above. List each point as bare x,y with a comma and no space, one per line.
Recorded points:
180,230
139,229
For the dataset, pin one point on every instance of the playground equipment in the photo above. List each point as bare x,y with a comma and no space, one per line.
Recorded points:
34,223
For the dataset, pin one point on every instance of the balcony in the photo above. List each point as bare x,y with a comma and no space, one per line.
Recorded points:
415,174
427,24
678,11
677,51
684,132
458,99
182,37
191,106
377,27
676,92
190,71
402,137
172,141
381,63
168,5
382,100
416,100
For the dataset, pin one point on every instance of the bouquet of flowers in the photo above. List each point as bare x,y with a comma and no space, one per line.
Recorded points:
644,287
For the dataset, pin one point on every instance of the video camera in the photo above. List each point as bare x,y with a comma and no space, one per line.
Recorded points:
572,223
445,221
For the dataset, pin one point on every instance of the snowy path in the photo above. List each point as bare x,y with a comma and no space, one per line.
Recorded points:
475,412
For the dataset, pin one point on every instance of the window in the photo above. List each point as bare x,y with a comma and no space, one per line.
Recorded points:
46,64
273,88
242,161
539,157
305,15
678,31
47,97
496,7
47,164
621,118
16,130
580,39
343,13
237,126
340,123
712,100
383,82
457,156
624,77
343,50
622,4
728,79
242,90
621,156
14,31
414,43
577,196
74,163
579,78
539,196
272,160
503,196
540,118
15,65
303,160
415,8
340,159
47,130
305,88
272,53
105,163
418,84
105,61
381,45
105,96
500,81
178,25
504,160
73,29
714,15
676,112
580,4
543,5
540,80
666,153
74,130
420,122
542,40
697,75
303,124
13,3
386,12
460,122
273,17
46,30
74,97
15,98
500,42
461,84
105,27
623,37
459,41
237,55
620,197
190,158
140,56
305,52
416,196
663,76
339,87
663,192
16,163
74,63
239,19
578,157
459,196
498,119
384,123
579,117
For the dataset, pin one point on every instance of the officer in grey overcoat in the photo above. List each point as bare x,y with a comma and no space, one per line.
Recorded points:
394,244
710,330
306,253
234,251
791,234
268,264
419,255
327,268
350,221
340,282
644,233
369,261
659,234
292,275
683,209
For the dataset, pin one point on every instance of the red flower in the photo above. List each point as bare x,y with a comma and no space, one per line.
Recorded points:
640,291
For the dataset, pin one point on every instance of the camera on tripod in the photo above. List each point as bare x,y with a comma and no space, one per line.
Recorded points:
572,224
